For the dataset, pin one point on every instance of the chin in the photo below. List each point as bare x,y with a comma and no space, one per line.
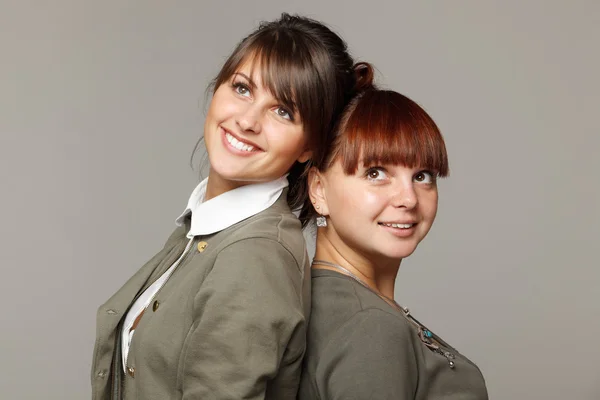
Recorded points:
228,169
239,175
399,254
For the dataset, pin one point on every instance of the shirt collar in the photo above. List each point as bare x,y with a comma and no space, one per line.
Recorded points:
229,208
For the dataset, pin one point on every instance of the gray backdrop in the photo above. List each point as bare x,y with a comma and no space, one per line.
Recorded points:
102,102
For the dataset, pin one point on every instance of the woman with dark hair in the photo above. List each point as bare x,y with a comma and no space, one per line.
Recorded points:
376,198
221,311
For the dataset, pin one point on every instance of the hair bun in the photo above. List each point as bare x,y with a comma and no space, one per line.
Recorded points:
363,73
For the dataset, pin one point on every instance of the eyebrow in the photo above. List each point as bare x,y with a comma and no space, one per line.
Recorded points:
250,81
293,107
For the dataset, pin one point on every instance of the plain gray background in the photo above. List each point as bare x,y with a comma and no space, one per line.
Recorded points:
102,102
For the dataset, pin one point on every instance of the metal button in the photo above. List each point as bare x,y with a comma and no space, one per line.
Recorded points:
101,373
155,305
131,371
202,246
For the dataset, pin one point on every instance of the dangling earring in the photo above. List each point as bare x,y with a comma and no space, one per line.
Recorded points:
321,221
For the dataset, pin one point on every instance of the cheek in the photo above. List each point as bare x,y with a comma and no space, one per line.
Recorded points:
373,200
222,105
429,205
212,114
358,202
286,141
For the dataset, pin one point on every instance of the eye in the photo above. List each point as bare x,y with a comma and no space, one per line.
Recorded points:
283,113
376,174
241,88
424,177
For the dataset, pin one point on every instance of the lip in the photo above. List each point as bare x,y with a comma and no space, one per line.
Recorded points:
399,232
245,141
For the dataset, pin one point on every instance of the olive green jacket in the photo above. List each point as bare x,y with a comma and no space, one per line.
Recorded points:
228,324
360,347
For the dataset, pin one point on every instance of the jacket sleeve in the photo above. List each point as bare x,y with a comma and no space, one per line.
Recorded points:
370,357
249,328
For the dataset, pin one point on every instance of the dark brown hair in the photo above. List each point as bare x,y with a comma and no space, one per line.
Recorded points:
386,127
307,67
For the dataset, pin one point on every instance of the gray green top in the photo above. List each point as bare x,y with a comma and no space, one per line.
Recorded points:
228,324
360,347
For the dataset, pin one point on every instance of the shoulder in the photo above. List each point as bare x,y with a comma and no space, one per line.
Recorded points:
345,311
347,300
378,330
274,231
372,355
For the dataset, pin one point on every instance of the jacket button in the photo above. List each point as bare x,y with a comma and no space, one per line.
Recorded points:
131,371
202,246
101,373
155,305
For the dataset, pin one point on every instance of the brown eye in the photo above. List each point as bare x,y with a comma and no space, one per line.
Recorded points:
375,174
283,113
241,89
424,177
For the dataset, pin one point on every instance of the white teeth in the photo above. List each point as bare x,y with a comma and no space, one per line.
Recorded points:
401,226
237,144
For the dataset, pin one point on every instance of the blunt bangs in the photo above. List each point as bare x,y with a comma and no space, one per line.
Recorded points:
384,127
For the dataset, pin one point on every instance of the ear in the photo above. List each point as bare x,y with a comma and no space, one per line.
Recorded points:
304,157
317,191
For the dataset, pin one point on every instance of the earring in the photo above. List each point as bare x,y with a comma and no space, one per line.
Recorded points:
321,221
317,206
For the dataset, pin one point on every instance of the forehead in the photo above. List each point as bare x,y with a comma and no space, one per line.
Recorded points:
252,70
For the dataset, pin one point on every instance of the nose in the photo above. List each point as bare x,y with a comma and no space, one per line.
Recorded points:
404,196
249,119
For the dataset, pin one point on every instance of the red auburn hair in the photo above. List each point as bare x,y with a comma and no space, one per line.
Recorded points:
386,127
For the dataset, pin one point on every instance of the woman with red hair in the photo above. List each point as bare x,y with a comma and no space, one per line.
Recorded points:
376,198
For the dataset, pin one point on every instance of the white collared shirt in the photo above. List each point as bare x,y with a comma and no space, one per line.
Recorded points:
208,217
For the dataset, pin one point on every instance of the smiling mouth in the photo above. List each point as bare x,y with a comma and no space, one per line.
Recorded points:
398,226
239,144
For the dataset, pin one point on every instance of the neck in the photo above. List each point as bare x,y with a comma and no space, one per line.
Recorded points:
379,274
216,185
